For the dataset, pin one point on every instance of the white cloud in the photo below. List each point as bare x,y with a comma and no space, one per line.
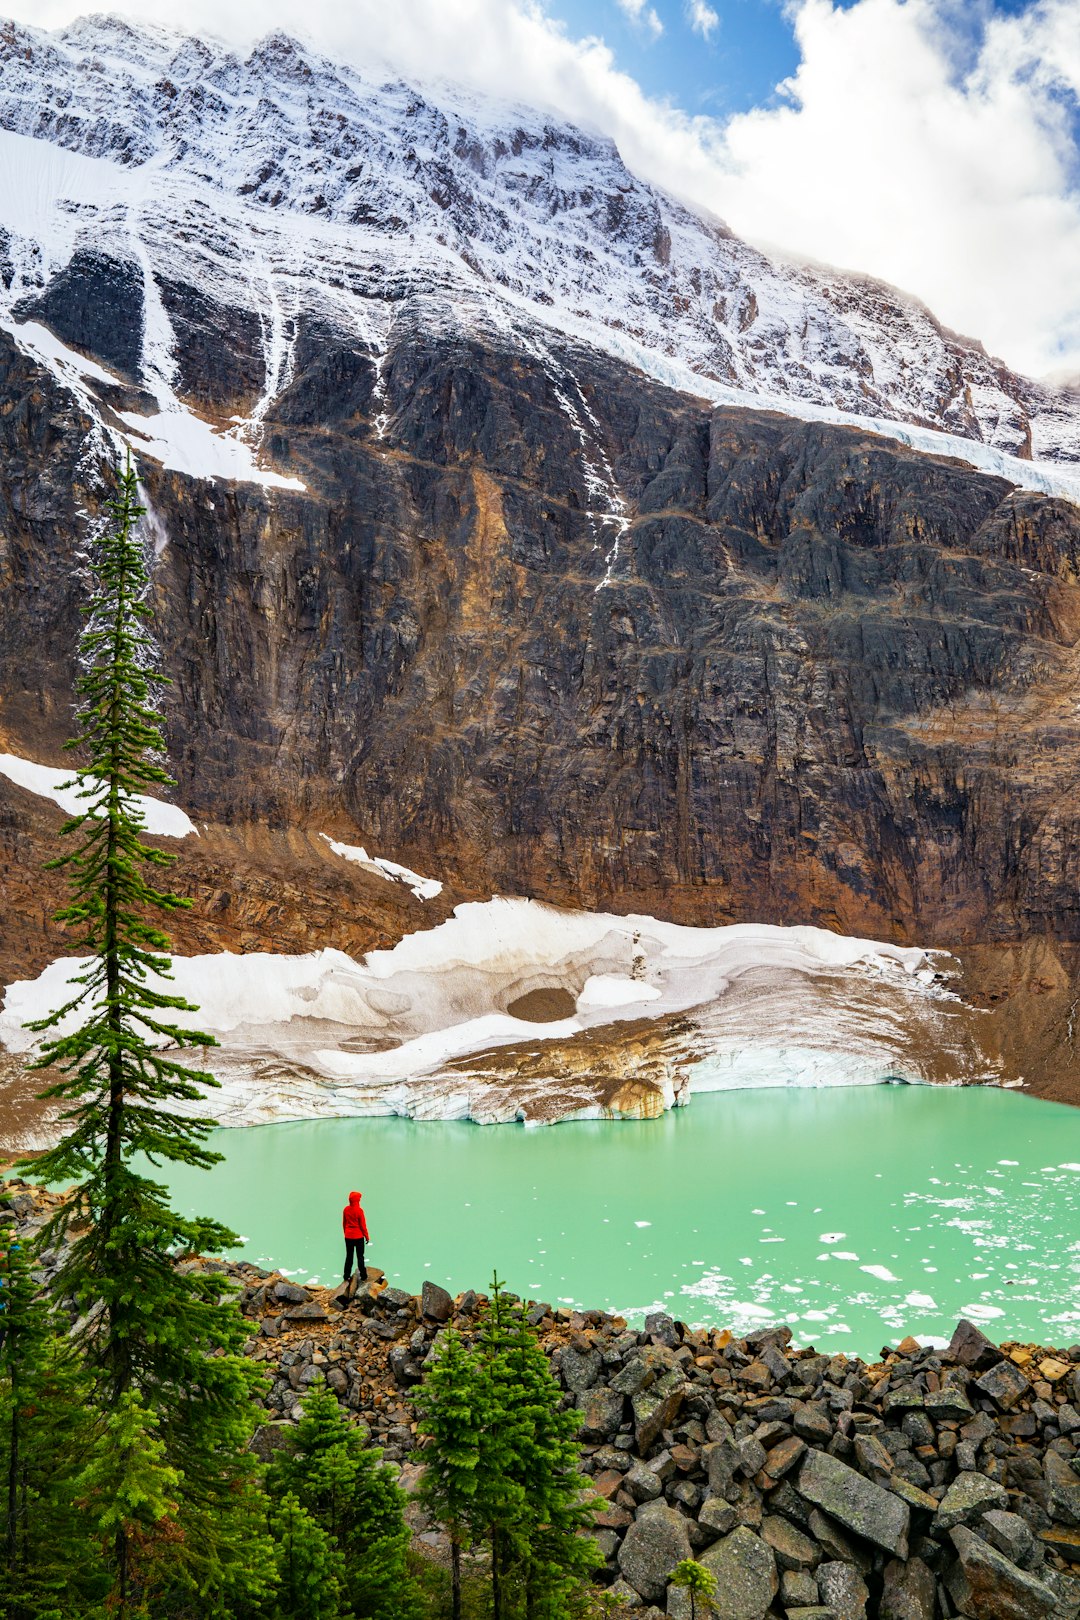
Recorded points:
702,18
917,141
642,16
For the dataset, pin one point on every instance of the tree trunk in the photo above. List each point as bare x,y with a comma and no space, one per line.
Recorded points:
455,1578
13,1466
496,1574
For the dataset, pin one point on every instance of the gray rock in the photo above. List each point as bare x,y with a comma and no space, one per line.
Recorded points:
578,1369
660,1326
970,1347
949,1403
656,1408
624,1594
813,1423
722,1461
643,1483
643,1368
1064,1488
835,1543
798,1588
751,1456
717,1515
791,1548
986,1585
601,1413
1005,1384
311,1312
872,1512
908,1591
652,1546
843,1589
290,1294
271,1437
967,1499
1011,1535
436,1303
746,1578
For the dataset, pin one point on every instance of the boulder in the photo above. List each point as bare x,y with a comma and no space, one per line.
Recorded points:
835,1543
643,1368
271,1437
1064,1488
601,1414
985,1585
908,1591
578,1369
311,1312
746,1578
661,1327
1005,1384
1011,1535
969,1347
791,1549
653,1544
289,1293
656,1408
435,1303
716,1516
643,1483
967,1499
843,1590
871,1511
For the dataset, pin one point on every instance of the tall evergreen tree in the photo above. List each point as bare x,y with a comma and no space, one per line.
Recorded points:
541,1543
161,1343
49,1560
453,1408
352,1496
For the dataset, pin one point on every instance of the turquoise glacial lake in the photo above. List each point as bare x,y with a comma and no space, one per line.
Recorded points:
856,1214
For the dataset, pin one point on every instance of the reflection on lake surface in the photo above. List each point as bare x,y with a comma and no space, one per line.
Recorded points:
855,1214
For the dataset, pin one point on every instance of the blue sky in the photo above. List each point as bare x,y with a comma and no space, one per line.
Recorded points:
751,48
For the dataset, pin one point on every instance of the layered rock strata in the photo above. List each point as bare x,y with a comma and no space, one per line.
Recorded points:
926,1484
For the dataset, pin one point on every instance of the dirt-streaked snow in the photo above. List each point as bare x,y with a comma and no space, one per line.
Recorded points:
423,888
377,1036
165,820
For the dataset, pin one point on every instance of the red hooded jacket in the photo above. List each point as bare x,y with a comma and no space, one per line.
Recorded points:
353,1223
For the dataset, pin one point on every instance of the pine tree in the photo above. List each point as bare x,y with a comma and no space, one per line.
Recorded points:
695,1579
452,1408
352,1496
130,1493
163,1345
45,1434
310,1568
543,1538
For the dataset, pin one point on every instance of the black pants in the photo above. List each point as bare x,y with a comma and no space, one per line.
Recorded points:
354,1250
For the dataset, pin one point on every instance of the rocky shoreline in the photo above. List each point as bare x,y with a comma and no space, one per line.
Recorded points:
929,1483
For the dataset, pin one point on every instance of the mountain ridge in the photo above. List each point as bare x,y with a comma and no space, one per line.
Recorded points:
281,187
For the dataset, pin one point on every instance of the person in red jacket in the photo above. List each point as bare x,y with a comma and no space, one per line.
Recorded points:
354,1225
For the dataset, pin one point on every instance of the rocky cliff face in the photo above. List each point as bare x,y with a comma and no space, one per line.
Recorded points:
505,605
708,664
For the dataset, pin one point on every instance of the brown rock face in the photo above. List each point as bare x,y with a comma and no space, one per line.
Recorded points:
813,677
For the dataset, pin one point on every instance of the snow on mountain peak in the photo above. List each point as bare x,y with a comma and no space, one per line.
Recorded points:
283,186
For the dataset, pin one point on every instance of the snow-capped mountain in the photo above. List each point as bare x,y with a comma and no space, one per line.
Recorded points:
203,202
